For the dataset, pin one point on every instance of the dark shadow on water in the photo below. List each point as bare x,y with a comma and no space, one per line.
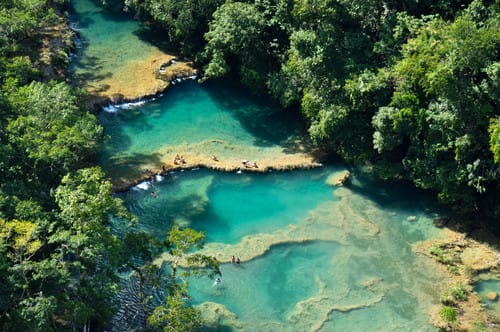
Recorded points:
158,214
261,116
155,36
123,169
88,65
83,21
114,11
393,193
403,194
91,65
170,210
210,219
120,142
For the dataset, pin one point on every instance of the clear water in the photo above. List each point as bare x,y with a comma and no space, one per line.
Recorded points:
356,271
219,118
108,41
488,284
315,257
228,206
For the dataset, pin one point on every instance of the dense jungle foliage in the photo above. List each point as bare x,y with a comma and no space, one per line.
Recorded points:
412,87
59,260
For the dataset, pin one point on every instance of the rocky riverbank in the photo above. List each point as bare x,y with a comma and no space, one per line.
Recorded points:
464,258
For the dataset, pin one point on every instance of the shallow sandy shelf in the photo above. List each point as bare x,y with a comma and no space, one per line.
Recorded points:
127,172
138,79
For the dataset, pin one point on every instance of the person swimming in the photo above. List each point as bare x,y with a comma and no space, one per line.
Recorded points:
216,282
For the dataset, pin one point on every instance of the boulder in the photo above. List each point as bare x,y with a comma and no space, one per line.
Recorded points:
492,296
339,178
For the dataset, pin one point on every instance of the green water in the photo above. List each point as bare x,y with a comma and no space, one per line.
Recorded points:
213,118
317,257
353,277
488,284
108,41
228,206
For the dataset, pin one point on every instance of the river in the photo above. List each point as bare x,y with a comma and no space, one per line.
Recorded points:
315,256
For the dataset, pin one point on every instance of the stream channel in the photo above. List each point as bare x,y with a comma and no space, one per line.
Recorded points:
315,256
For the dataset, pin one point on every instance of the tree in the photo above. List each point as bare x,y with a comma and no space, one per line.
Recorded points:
184,21
494,130
167,282
86,246
236,38
21,19
58,258
437,121
52,130
175,314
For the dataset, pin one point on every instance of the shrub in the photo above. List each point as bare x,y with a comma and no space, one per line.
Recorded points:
459,292
453,294
453,269
449,314
444,256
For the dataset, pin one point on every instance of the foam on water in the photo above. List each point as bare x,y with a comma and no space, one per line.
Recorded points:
145,185
125,106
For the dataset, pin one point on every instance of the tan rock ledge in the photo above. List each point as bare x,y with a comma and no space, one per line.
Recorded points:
219,156
139,79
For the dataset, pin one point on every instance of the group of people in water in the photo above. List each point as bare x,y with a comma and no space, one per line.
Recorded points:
234,260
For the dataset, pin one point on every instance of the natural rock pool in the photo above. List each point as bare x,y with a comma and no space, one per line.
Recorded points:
117,58
198,122
315,257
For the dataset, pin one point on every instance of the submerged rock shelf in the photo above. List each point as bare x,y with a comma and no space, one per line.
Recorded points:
139,79
318,226
117,60
127,175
